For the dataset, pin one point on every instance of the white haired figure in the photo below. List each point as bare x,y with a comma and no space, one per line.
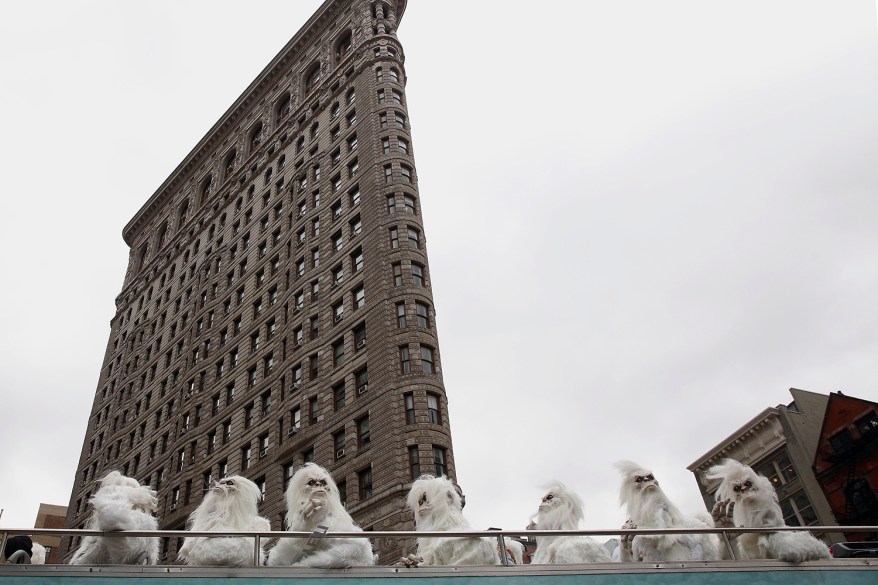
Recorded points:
121,503
230,505
436,505
648,507
562,509
748,500
314,504
39,554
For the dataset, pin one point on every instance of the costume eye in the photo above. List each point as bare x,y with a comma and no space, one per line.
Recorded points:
422,500
650,477
312,482
549,498
748,484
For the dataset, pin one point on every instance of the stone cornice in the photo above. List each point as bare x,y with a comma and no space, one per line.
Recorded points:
743,435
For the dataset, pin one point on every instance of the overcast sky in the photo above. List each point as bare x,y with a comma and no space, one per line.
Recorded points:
645,220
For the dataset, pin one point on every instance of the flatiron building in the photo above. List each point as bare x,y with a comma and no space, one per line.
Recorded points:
277,306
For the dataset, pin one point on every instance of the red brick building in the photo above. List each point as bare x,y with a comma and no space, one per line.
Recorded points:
846,463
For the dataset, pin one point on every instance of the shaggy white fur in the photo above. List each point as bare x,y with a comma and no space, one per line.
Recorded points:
648,507
561,509
753,502
232,504
121,503
313,500
436,506
39,554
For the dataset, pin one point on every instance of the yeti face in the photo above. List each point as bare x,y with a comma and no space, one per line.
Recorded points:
316,486
744,490
645,481
550,501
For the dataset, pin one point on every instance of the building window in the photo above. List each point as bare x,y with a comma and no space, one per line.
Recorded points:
868,423
359,295
265,402
245,458
409,399
364,435
423,314
254,342
251,377
365,481
312,409
399,120
405,360
338,443
248,416
284,108
296,419
414,462
338,311
402,145
400,315
409,204
397,274
439,461
338,396
361,378
396,96
382,119
256,137
227,431
385,145
394,238
338,356
841,442
427,360
797,510
357,260
388,173
312,78
433,409
417,274
779,469
263,445
414,238
359,337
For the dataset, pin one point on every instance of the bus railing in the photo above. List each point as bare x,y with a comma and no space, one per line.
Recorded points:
726,534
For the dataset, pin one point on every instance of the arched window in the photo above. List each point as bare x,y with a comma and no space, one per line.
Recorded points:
283,108
256,137
229,165
183,212
160,235
312,78
343,46
205,190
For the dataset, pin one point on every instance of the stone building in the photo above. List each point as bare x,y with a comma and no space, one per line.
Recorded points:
277,305
779,443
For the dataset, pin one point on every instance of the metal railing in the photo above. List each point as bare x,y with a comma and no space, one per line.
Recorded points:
726,534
